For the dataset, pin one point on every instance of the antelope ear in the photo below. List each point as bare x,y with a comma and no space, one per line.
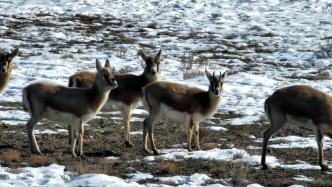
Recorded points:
222,77
142,53
208,75
12,54
98,66
158,54
107,64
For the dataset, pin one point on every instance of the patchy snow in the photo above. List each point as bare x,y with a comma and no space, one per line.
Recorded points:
99,180
29,176
213,154
254,185
216,128
194,180
303,178
234,155
112,158
13,117
267,45
297,142
136,133
48,131
138,176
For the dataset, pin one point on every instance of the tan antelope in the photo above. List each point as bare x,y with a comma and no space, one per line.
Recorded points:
6,67
301,106
74,106
128,95
177,102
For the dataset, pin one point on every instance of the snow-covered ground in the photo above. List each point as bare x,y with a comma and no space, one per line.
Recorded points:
266,44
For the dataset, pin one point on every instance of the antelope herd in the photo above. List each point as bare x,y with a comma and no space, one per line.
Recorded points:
89,92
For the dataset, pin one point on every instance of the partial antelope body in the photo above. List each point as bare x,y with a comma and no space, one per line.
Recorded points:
74,106
128,94
177,102
301,106
6,67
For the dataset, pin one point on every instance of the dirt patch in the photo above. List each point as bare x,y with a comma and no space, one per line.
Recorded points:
105,138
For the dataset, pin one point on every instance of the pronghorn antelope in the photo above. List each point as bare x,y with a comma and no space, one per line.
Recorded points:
128,95
301,106
74,106
177,102
6,67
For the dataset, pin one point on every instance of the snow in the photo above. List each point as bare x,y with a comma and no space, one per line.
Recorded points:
136,177
290,29
99,180
194,180
216,128
213,154
303,178
254,185
29,176
297,142
233,155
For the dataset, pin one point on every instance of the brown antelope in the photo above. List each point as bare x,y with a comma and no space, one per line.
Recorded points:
128,95
301,106
6,67
75,106
177,102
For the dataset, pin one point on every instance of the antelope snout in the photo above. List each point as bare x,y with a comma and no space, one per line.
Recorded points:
114,84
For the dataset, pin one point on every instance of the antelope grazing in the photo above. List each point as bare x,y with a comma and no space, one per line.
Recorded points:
180,103
6,67
128,95
74,106
301,106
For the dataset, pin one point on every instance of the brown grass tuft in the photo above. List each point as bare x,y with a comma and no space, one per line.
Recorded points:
40,160
7,157
102,166
168,167
238,172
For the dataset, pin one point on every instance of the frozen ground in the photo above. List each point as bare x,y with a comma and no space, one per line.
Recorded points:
266,44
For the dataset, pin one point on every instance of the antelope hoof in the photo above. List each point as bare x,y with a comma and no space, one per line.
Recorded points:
37,152
147,152
324,167
264,167
82,156
190,149
128,144
74,155
156,152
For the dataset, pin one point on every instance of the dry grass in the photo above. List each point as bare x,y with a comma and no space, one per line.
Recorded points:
121,52
40,160
320,75
192,74
167,167
193,64
7,157
325,50
99,144
101,166
238,173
